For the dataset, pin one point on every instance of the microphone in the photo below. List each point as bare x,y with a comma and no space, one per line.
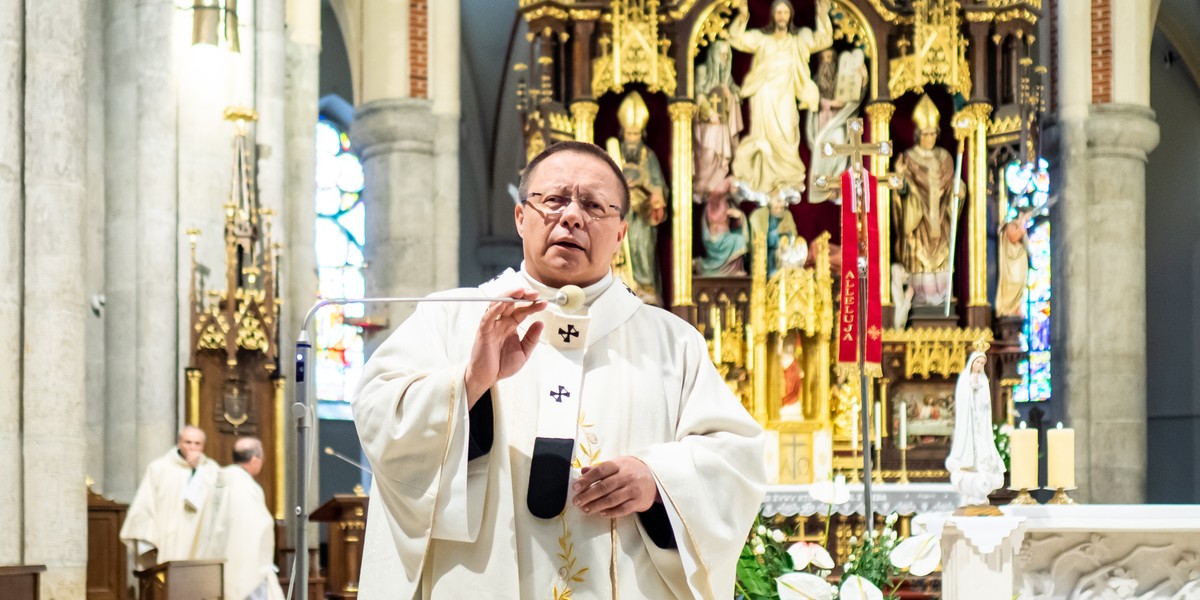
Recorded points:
569,297
346,459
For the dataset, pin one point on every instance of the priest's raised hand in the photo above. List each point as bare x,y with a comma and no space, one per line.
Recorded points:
499,349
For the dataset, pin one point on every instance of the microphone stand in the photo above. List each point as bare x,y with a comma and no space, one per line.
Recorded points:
302,413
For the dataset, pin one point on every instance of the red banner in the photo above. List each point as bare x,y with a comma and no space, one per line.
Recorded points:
849,327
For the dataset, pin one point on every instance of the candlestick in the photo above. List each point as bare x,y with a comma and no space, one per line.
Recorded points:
1023,458
904,424
1060,497
1060,445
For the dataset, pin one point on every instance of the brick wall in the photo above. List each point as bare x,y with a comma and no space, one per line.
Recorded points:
1101,51
418,48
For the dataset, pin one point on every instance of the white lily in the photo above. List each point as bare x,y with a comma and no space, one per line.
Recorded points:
806,553
802,586
920,554
831,492
857,588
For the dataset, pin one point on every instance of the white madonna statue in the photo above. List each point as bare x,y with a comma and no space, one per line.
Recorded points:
974,463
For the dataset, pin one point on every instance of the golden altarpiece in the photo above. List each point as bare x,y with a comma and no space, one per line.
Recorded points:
234,385
961,67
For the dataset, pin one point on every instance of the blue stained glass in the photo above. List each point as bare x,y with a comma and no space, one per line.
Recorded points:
1030,190
338,244
353,221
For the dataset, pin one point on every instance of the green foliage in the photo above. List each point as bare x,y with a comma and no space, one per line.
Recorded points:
870,557
1000,433
763,559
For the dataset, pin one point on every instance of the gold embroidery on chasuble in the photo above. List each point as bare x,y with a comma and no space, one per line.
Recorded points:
587,454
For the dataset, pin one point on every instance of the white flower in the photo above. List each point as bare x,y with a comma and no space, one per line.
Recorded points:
889,534
857,588
1006,428
805,553
831,492
890,520
802,586
853,540
759,549
920,554
762,530
874,534
777,535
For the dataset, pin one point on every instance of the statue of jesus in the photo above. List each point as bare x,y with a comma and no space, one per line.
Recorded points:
779,86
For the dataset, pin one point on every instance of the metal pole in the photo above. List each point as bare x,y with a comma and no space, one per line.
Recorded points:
859,180
300,412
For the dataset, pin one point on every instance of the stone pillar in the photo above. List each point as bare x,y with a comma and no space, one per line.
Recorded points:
157,214
12,127
53,391
94,335
1109,414
121,474
394,138
1099,326
442,55
302,52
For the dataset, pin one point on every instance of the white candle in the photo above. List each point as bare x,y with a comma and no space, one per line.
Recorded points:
903,423
1060,446
1023,458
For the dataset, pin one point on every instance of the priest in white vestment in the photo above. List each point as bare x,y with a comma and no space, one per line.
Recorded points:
522,451
165,519
243,530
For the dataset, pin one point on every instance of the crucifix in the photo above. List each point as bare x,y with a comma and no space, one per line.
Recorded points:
860,197
856,150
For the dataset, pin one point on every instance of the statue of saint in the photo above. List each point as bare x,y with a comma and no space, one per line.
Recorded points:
776,221
647,197
793,379
842,84
1013,272
844,402
922,212
723,231
718,120
778,86
974,463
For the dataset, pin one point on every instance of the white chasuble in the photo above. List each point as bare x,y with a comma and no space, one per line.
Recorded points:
450,526
242,533
168,512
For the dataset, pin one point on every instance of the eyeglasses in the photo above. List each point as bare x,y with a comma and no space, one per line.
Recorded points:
554,205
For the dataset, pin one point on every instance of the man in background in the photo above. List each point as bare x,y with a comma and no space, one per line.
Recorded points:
166,519
242,529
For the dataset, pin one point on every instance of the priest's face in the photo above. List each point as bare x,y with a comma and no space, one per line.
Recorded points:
191,441
571,247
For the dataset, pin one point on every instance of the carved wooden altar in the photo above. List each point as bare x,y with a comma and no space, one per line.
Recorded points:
234,386
973,59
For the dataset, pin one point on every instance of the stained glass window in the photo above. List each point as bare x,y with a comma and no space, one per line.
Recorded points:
1028,189
339,248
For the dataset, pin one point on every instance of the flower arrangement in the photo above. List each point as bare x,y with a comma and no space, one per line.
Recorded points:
767,570
1000,433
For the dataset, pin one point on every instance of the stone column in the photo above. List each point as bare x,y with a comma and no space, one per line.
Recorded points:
53,391
121,474
12,127
394,138
1099,327
94,335
302,52
157,213
1109,412
442,54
